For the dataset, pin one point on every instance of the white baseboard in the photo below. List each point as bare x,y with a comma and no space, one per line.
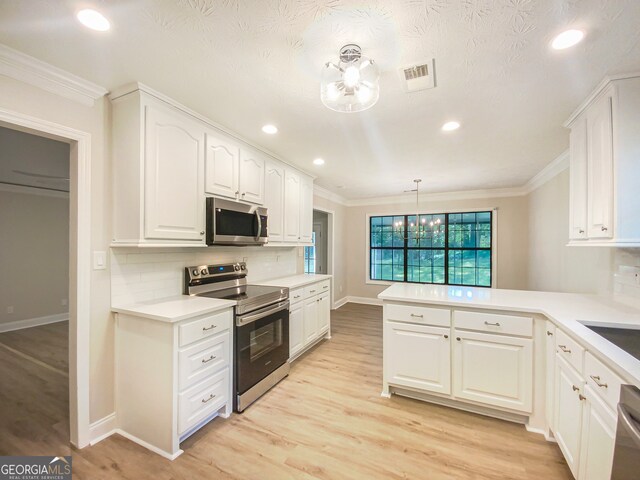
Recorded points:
364,300
148,446
33,322
103,428
338,303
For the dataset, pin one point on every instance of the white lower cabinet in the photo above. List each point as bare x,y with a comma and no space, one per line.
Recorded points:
493,369
309,316
422,359
568,407
598,439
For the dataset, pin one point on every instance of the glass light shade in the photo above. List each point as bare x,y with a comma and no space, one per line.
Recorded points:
350,86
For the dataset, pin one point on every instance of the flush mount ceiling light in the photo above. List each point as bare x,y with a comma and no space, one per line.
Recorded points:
352,84
450,126
318,161
567,39
93,20
270,129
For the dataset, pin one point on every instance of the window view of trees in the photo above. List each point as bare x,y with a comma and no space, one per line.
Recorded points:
447,248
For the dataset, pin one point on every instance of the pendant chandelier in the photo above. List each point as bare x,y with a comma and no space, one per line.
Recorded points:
420,229
352,84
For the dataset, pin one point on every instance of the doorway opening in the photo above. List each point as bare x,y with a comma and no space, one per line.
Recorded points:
34,293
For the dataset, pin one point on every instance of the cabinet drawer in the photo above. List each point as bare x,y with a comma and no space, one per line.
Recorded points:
324,286
202,359
570,350
202,400
204,327
311,290
602,380
494,323
296,295
440,317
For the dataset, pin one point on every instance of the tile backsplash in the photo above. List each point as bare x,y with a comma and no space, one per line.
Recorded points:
139,275
626,277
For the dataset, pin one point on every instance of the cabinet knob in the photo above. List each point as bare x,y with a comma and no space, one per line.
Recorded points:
458,338
604,229
244,194
202,233
582,397
549,334
575,389
446,336
580,231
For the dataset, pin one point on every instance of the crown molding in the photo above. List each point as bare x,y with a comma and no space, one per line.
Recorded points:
22,67
557,166
322,192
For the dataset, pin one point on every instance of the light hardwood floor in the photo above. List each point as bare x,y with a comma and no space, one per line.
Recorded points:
328,421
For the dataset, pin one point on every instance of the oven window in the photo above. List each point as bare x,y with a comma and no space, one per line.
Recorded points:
265,339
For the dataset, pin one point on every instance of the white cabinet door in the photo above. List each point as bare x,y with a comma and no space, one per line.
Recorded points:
324,313
578,181
222,160
568,413
310,320
274,200
493,369
306,209
251,183
417,356
598,439
296,328
291,206
600,169
174,170
550,364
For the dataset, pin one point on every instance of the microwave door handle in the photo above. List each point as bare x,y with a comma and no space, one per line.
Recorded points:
259,225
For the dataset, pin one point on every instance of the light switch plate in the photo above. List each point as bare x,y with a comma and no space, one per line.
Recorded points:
99,260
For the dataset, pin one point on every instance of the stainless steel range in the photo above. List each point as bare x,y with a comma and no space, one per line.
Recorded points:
261,332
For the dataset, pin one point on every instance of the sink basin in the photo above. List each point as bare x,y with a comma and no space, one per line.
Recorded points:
628,339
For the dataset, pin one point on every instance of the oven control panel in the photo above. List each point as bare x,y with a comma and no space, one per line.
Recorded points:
202,272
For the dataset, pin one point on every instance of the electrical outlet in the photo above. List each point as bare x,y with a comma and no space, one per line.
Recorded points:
277,258
9,309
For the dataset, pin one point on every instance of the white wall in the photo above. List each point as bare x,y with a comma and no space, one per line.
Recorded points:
555,267
140,275
34,254
512,239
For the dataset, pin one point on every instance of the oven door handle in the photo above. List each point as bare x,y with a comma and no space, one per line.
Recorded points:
259,232
628,423
252,317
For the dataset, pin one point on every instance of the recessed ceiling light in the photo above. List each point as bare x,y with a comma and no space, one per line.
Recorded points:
567,39
270,129
93,20
450,126
318,161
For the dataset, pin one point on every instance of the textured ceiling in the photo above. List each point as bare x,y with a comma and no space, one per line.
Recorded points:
245,63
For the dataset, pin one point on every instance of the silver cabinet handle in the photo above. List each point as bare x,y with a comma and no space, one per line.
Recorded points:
492,324
207,360
296,296
312,291
549,334
564,348
596,379
575,389
211,397
580,231
417,316
604,229
204,329
326,286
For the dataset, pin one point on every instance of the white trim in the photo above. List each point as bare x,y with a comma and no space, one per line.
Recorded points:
330,247
103,428
80,264
28,190
363,300
33,322
596,93
22,67
148,446
329,195
556,167
338,303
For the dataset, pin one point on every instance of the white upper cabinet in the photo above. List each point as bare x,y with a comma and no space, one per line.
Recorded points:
605,172
274,200
158,169
251,182
222,160
291,206
306,209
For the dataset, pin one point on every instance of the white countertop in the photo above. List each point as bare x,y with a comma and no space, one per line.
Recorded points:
295,281
569,311
175,309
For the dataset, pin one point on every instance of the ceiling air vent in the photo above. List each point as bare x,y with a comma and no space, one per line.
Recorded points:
418,77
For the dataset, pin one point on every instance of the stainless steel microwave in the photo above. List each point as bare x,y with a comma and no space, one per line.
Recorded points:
235,223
